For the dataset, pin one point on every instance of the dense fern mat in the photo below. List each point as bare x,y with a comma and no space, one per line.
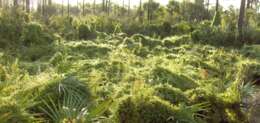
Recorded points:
120,79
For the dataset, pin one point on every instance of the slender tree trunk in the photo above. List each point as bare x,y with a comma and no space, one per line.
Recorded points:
217,19
248,4
207,5
94,6
62,7
240,23
217,5
68,7
123,4
129,4
27,4
123,7
23,4
148,11
140,10
77,4
43,7
108,6
50,2
83,8
15,3
103,5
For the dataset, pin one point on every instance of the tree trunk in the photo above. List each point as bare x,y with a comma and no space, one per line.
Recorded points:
83,8
43,7
1,3
15,3
68,7
217,19
140,10
77,4
27,4
248,4
62,7
217,5
149,11
108,6
50,2
240,23
94,6
103,5
207,5
129,4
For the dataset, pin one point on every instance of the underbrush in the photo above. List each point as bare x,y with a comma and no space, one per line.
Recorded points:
116,78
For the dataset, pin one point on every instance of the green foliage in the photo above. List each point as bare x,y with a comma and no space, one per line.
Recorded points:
162,75
63,99
171,94
147,110
182,28
85,32
11,25
217,19
33,34
64,26
14,113
123,70
213,35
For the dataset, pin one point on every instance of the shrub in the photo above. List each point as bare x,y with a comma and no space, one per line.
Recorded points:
205,33
11,26
37,52
64,26
171,94
116,71
176,41
69,92
150,109
91,50
162,75
12,113
85,32
145,110
252,35
148,42
32,34
181,28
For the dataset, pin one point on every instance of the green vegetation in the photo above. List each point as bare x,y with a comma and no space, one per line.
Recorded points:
175,66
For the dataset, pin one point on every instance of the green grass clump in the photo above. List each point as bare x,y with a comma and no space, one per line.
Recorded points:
146,110
64,95
171,94
13,113
163,75
85,32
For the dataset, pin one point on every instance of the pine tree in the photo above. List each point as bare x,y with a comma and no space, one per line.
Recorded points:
240,23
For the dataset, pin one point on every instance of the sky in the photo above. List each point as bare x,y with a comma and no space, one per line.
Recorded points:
224,3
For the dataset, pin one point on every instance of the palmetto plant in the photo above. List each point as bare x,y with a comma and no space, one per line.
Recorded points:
74,110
